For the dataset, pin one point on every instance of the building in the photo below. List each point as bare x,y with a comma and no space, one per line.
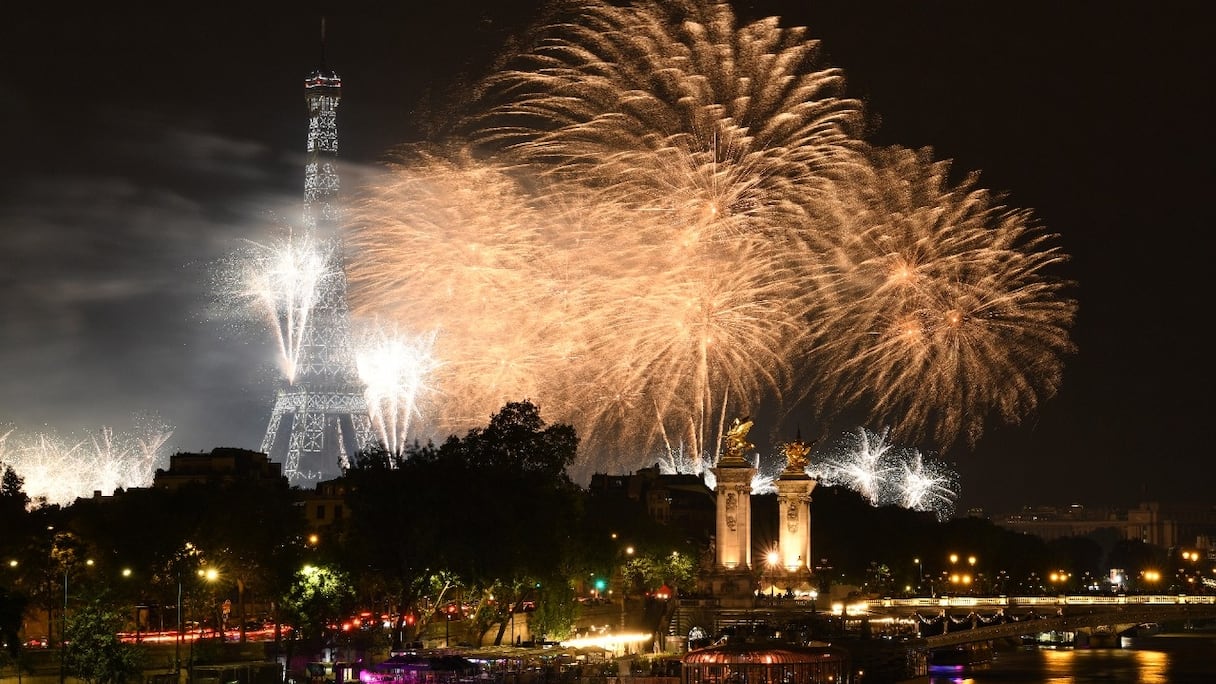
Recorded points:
320,417
325,504
678,500
222,464
1166,525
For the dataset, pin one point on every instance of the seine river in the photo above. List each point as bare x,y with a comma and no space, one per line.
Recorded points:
1179,658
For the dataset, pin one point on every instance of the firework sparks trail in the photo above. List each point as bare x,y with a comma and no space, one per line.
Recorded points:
928,485
396,370
885,474
768,470
671,104
680,461
280,281
959,321
865,461
58,469
665,218
680,297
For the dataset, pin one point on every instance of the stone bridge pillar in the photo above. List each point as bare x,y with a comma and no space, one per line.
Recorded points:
734,505
794,512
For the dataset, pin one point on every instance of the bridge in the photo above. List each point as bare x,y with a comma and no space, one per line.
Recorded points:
938,622
906,631
952,621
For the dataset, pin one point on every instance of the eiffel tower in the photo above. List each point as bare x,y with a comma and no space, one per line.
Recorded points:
320,417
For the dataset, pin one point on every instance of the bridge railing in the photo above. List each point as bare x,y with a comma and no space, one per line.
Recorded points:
1031,601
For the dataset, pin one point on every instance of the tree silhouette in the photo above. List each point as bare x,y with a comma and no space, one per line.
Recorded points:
94,652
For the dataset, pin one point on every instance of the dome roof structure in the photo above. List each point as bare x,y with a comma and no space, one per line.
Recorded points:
743,662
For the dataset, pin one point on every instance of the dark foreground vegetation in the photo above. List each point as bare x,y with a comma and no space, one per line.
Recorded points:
468,532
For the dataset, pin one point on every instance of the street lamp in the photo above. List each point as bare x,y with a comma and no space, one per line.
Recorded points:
447,625
209,575
625,584
1151,576
965,578
1057,578
920,574
126,574
188,550
63,622
177,635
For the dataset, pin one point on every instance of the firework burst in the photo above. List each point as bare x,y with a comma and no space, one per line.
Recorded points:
396,370
664,218
886,474
450,246
672,104
950,311
58,469
927,485
280,282
865,462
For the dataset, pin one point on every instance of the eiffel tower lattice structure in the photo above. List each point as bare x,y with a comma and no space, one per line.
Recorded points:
320,417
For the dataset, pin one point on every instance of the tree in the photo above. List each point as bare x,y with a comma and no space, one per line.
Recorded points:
12,610
518,439
555,612
15,520
319,598
406,499
502,489
12,493
251,556
94,652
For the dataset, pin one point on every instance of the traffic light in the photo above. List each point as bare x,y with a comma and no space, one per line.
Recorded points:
600,584
409,619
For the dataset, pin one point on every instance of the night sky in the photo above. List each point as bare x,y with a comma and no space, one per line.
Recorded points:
142,143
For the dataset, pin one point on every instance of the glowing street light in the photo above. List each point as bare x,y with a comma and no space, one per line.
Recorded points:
1151,576
961,578
63,623
772,559
1057,578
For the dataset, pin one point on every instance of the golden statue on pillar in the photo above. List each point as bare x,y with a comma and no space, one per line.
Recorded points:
736,439
797,455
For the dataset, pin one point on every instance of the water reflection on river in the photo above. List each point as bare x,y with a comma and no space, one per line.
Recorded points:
1187,658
